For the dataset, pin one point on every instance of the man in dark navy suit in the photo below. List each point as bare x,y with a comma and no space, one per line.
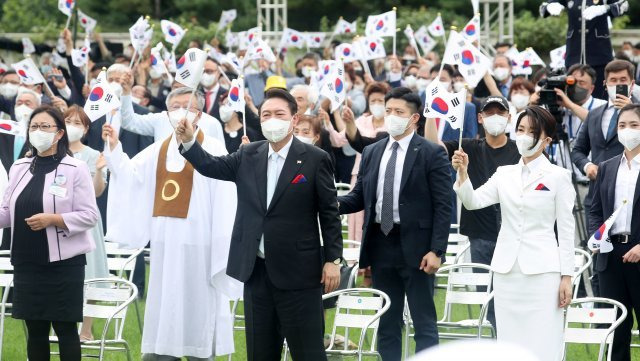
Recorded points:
618,186
404,187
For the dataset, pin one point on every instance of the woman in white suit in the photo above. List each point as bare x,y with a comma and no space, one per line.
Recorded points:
532,268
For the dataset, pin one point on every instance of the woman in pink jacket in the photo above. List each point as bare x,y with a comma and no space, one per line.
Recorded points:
51,207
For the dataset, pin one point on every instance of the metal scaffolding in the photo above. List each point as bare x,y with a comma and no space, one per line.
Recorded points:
272,17
496,18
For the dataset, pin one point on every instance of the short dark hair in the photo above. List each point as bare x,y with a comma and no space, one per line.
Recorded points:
313,56
406,94
617,65
584,69
522,83
446,67
77,110
630,108
541,120
376,87
58,118
501,44
280,94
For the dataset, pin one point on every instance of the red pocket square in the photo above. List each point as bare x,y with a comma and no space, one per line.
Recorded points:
542,187
300,178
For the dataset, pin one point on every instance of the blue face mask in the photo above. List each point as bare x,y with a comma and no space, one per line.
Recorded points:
45,69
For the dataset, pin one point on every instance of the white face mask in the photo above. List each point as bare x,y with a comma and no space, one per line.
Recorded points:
128,52
501,73
359,87
175,116
396,125
208,80
377,110
422,84
136,100
22,113
40,140
495,124
154,74
628,53
225,113
410,81
520,101
9,90
524,143
458,86
116,87
305,140
629,138
74,133
307,71
611,90
275,130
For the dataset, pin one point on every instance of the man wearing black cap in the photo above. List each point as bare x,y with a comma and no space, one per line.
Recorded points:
487,154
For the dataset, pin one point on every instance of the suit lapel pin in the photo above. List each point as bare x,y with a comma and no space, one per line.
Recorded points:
299,162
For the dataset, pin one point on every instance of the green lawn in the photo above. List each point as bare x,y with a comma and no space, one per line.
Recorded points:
15,346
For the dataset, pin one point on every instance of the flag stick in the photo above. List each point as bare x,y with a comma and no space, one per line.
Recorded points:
135,52
48,89
244,121
394,33
66,26
466,87
86,73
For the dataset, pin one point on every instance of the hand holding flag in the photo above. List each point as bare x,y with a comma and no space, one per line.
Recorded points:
598,241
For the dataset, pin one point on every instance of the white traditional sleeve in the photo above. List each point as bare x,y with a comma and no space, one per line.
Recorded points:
142,124
565,199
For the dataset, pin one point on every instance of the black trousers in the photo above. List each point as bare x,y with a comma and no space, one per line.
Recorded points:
390,274
621,282
272,314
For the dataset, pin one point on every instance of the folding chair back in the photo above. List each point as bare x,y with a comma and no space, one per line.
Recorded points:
462,287
582,262
120,261
359,308
582,324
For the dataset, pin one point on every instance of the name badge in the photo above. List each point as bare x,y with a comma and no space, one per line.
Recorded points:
58,191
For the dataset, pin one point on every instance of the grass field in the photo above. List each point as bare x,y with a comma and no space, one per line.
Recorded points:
15,345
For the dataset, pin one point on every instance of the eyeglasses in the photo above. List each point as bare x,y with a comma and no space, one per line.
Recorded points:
178,107
43,127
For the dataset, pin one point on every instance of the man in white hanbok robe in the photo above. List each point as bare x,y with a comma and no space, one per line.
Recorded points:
187,311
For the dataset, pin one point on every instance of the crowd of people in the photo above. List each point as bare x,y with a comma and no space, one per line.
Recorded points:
244,204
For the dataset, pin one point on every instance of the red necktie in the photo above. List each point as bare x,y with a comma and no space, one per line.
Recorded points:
438,123
207,101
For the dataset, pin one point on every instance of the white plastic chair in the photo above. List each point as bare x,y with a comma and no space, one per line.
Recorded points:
455,254
107,299
6,282
238,320
351,254
121,262
460,290
589,318
359,308
582,262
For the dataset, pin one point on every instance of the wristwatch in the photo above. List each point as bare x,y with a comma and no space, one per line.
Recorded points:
338,261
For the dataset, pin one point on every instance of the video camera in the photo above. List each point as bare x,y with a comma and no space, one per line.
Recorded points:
548,95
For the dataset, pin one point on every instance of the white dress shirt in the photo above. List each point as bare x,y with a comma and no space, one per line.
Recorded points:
606,118
531,167
625,190
282,156
403,145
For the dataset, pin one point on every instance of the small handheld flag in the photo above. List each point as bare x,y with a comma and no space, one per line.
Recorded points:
28,72
558,56
140,34
102,99
27,46
314,40
87,22
173,33
190,66
347,52
345,27
236,95
424,39
381,25
472,64
436,28
335,88
471,31
66,6
12,127
226,18
598,241
79,57
440,103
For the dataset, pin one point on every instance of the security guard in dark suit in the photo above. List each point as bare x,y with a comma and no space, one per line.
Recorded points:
598,50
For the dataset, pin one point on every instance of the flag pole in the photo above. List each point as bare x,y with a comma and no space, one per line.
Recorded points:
394,9
414,43
453,28
464,101
66,26
135,52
